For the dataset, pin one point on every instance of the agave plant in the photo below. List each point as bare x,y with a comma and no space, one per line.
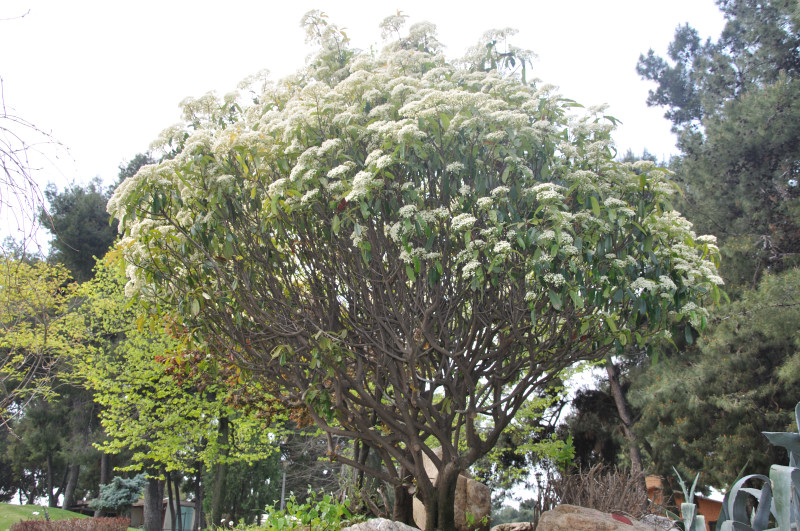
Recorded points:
691,520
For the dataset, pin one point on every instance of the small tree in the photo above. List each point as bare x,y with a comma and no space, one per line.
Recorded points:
172,407
119,495
37,330
409,248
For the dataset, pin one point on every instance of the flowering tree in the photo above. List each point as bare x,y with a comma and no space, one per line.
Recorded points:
408,247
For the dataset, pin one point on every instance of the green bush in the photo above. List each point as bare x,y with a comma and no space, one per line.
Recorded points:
320,512
119,495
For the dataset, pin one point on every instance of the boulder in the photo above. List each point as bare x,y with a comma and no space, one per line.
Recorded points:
380,524
574,518
515,526
472,498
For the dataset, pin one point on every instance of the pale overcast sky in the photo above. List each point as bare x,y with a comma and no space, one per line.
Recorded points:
106,77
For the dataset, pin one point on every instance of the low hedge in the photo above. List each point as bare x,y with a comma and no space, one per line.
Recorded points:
73,524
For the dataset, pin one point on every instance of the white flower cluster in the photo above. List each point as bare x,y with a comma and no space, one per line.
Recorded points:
455,167
484,203
500,191
393,127
546,237
363,182
556,279
643,284
613,202
502,247
470,267
463,222
407,211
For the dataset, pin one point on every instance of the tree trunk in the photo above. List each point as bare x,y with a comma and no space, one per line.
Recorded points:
105,477
220,474
105,469
199,517
446,493
431,504
361,451
52,498
403,502
179,518
626,417
170,501
153,504
72,483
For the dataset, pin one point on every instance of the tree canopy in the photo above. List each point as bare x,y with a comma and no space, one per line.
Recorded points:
37,330
80,225
161,402
759,43
733,102
409,247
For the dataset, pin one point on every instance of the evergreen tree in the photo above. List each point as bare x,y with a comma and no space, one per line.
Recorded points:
734,104
759,43
80,225
705,409
120,494
594,426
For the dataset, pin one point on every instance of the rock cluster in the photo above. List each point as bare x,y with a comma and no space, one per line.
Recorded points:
574,518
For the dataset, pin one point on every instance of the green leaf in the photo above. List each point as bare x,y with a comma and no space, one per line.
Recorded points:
648,243
577,300
335,222
410,273
555,299
618,295
595,206
195,307
506,171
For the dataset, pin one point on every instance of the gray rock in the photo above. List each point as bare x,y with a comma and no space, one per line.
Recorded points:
515,526
574,518
380,524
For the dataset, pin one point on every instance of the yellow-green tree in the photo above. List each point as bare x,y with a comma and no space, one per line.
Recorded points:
173,408
37,330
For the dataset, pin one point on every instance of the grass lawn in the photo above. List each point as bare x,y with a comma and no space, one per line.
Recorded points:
10,514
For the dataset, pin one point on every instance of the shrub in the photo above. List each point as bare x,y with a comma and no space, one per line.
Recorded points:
606,489
320,513
119,495
73,524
